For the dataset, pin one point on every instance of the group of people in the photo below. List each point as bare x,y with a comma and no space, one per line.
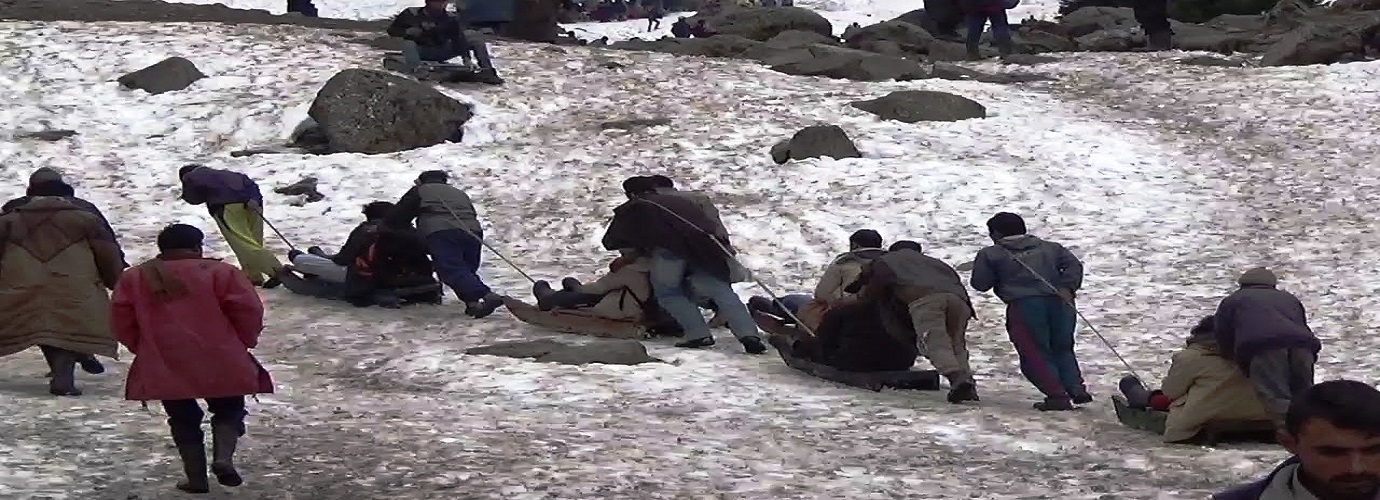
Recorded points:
433,34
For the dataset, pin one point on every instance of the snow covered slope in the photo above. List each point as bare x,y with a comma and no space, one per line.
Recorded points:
1166,186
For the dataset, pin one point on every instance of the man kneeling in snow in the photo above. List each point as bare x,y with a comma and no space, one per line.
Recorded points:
618,295
430,33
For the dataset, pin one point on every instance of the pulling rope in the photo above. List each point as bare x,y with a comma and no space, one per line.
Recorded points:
461,224
1069,303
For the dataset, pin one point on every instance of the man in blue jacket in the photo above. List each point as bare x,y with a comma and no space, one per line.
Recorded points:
1333,431
1265,330
431,33
1037,280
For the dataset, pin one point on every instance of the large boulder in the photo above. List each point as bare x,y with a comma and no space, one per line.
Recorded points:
912,106
535,21
173,73
908,37
730,46
609,352
371,112
763,23
1325,41
1087,20
815,142
847,64
793,39
1356,5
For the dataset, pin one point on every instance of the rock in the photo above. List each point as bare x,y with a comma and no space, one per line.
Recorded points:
305,187
815,142
794,39
959,73
1289,12
764,23
372,112
634,123
941,50
912,106
1115,40
1087,20
715,46
1028,59
848,64
609,352
1209,39
1324,41
1355,5
47,135
1037,41
173,73
909,37
535,21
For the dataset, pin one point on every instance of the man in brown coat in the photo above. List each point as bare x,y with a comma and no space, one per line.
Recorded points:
56,263
930,294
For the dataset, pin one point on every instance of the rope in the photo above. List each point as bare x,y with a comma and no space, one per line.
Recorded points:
485,243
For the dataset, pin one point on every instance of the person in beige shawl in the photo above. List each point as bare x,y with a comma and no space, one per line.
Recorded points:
56,263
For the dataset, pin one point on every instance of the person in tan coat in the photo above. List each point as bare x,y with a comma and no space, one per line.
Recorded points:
56,264
864,245
618,295
1201,386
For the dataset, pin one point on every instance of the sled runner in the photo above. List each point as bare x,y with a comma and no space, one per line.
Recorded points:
303,285
432,71
920,380
1213,433
574,321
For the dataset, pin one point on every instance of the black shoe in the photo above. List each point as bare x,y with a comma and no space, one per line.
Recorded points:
192,450
697,343
90,364
570,284
273,281
1051,404
963,391
489,76
753,345
1082,398
485,306
315,250
543,292
294,254
223,441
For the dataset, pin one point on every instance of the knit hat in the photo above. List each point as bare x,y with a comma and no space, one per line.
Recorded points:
187,169
866,238
179,237
433,176
1258,276
637,185
1006,224
45,174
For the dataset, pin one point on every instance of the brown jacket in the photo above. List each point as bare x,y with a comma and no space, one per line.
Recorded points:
58,261
624,291
705,205
1206,387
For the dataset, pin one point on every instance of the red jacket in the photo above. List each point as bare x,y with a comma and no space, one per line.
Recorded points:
196,344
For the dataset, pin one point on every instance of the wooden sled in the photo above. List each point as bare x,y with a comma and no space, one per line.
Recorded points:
1212,433
575,321
918,380
432,71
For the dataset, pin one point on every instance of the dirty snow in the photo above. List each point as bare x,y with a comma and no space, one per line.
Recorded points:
1166,187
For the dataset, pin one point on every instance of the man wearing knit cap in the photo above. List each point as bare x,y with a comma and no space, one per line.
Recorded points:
1037,280
237,206
1265,330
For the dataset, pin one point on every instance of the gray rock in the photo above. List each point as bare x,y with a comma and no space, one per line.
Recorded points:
794,39
764,23
609,352
850,64
1324,40
1355,5
815,142
47,135
1036,41
305,187
912,106
634,123
909,37
716,46
941,50
372,112
1087,20
1211,62
1111,40
168,75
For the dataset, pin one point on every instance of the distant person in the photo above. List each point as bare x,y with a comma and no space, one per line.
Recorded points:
654,16
432,33
234,201
303,7
681,28
701,30
1153,16
1333,431
1265,330
976,13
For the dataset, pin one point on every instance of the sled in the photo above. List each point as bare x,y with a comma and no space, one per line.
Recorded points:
432,71
916,380
575,321
312,287
1212,433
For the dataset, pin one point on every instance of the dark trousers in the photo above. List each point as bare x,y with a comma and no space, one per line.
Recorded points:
1153,16
1042,330
1280,374
455,254
184,416
1001,29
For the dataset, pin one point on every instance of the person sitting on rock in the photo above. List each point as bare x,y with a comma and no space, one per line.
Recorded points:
701,30
1201,387
334,268
863,246
677,237
618,295
681,28
431,33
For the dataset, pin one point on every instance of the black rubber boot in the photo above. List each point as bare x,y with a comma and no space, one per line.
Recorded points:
224,437
63,364
191,447
961,388
543,292
697,343
753,345
485,306
1053,404
489,76
90,364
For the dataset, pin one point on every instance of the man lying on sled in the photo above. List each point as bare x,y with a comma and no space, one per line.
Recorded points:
378,265
619,295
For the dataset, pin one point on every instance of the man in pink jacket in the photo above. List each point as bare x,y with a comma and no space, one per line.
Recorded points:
190,322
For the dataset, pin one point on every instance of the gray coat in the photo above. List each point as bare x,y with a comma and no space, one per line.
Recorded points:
1260,317
996,267
437,206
